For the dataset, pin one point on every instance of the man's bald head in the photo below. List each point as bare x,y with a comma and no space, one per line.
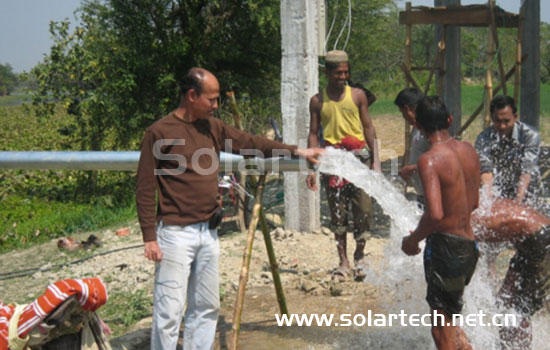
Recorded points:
194,79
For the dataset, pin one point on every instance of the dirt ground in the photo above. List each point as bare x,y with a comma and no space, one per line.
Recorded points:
305,262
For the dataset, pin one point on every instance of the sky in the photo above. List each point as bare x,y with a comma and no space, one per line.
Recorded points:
24,28
24,25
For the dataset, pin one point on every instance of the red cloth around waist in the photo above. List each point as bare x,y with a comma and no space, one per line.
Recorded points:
349,143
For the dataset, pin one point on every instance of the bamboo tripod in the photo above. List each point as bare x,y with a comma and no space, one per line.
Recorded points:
257,217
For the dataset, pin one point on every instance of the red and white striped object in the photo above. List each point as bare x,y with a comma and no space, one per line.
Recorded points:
91,294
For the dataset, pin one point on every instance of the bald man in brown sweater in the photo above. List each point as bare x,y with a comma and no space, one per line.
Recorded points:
176,198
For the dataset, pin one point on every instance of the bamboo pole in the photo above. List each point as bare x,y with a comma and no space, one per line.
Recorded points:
432,72
442,47
494,32
408,63
274,266
272,259
517,79
489,79
495,91
237,312
243,200
234,110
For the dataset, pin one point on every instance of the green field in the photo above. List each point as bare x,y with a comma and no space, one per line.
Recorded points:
472,97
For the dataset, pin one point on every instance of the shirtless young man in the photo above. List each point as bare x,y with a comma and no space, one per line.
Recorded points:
527,280
449,172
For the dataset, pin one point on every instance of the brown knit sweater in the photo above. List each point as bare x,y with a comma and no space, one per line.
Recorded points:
185,156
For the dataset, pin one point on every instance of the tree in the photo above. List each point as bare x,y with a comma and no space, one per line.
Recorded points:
117,72
8,79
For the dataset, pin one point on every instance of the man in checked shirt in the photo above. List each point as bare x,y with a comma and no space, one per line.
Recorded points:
508,152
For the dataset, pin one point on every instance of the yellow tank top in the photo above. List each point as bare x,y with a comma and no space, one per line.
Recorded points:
340,118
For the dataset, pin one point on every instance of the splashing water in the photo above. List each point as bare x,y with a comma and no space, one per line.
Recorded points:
404,214
400,278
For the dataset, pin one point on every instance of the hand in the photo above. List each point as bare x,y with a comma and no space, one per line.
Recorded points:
152,251
407,171
311,181
410,246
311,154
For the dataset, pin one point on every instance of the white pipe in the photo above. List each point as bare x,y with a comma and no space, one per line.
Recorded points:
128,161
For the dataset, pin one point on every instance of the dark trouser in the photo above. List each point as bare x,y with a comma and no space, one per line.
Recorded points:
527,281
361,208
449,263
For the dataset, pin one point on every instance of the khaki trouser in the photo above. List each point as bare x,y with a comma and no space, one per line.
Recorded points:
361,208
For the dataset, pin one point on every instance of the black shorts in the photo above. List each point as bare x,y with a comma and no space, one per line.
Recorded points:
532,264
449,263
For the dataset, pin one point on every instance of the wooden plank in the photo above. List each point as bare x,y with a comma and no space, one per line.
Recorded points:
494,33
529,101
517,78
489,78
459,16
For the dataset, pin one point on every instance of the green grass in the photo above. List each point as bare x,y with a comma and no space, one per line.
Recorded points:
383,106
25,221
472,97
124,309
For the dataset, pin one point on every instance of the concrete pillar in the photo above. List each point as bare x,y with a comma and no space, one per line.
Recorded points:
453,75
299,81
530,68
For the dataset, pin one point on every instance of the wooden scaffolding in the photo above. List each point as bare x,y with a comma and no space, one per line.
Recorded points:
488,15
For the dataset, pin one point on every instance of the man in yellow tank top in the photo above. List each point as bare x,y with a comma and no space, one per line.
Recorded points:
342,112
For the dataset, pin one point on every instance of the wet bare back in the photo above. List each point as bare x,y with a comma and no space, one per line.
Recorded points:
450,177
506,221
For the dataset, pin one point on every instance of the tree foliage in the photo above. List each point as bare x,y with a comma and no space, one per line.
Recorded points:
8,79
118,70
375,44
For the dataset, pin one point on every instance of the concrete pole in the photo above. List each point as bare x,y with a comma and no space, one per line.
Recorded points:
453,76
530,69
299,81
